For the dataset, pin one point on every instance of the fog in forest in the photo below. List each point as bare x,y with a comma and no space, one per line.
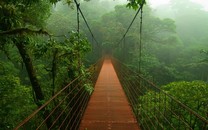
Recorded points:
174,34
44,45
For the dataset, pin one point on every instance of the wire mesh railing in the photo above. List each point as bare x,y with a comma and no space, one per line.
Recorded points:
153,107
65,109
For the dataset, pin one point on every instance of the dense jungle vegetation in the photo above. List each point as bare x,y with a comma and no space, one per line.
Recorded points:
41,51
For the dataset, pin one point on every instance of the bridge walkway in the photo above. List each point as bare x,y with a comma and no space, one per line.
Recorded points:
108,108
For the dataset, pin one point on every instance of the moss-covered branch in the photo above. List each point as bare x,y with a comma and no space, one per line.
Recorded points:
21,31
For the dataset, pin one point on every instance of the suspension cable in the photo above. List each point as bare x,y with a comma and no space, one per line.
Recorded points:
140,39
134,89
78,8
140,32
78,35
45,104
129,26
78,22
66,100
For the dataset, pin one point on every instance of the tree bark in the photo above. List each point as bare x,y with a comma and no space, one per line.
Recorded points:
31,72
34,81
53,70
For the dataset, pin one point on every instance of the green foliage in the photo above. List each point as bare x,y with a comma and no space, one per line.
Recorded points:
205,59
89,88
191,28
165,55
135,3
193,94
156,105
20,14
13,96
160,42
67,1
56,62
59,60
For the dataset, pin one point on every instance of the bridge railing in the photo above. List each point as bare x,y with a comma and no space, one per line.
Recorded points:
153,107
65,109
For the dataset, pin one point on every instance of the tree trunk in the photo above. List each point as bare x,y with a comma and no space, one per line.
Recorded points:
34,81
31,73
53,70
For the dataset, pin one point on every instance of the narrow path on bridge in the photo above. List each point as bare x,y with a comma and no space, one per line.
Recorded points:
108,108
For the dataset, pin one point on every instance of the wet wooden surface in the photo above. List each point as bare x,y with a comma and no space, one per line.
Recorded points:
108,108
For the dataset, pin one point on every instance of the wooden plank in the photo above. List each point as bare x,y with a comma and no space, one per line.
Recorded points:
108,108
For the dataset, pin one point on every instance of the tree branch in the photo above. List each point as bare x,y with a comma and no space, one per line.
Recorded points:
21,31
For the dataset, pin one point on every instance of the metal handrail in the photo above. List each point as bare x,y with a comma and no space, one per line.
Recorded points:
65,109
136,87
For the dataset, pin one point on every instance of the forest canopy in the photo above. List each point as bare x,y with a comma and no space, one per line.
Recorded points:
42,49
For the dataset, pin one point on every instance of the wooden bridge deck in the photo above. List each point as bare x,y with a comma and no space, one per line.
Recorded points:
108,108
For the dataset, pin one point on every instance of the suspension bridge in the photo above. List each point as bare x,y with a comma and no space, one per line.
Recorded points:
117,102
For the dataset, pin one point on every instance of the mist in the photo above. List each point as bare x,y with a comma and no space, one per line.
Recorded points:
174,35
45,45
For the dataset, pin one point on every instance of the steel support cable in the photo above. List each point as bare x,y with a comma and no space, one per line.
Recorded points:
57,106
84,100
124,84
77,111
126,75
83,108
132,91
45,104
135,102
129,73
80,103
184,122
127,91
178,102
134,94
140,40
66,118
132,99
53,123
152,86
134,84
70,110
164,117
98,63
176,115
81,89
159,110
129,26
85,103
78,35
78,7
78,22
148,114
